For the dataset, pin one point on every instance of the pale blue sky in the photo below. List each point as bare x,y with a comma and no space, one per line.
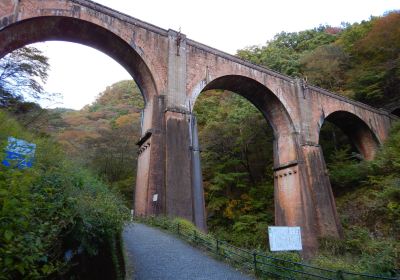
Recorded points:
80,73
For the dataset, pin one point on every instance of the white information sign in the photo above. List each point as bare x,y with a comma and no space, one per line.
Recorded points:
285,238
155,197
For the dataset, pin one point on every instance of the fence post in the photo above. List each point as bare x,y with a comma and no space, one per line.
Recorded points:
255,262
339,275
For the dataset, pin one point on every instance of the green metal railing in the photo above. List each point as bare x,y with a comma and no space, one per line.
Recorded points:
260,264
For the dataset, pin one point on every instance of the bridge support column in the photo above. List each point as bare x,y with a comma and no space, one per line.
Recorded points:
150,180
164,179
364,141
320,187
164,176
303,195
178,192
184,196
325,220
292,204
293,200
199,207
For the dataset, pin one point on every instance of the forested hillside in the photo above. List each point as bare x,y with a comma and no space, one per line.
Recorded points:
359,60
102,135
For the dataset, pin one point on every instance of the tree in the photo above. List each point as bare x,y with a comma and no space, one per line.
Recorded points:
326,67
284,52
22,75
103,135
237,163
375,77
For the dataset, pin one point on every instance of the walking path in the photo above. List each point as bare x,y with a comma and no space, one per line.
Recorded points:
155,255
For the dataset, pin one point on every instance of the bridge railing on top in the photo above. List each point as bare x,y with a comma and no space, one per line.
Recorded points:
260,264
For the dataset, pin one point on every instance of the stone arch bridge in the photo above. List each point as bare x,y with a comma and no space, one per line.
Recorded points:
171,71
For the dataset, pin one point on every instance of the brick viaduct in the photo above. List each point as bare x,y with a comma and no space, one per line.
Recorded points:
171,71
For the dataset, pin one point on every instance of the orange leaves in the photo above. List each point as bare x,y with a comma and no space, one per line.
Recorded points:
383,41
75,119
77,135
237,207
126,120
230,210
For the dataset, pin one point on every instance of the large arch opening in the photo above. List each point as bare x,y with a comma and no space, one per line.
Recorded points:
243,128
69,29
58,28
260,96
124,119
347,142
359,133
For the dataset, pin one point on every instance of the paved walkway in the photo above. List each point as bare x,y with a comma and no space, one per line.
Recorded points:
155,255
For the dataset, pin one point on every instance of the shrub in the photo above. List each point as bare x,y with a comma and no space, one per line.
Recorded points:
52,213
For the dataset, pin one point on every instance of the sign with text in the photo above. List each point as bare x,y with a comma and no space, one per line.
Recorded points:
155,197
19,153
285,238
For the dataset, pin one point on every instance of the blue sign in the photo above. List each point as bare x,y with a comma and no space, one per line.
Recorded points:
19,153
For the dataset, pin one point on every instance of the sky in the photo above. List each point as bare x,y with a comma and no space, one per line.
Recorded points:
80,73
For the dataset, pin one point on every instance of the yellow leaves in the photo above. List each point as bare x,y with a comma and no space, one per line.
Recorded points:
126,120
75,135
247,204
229,211
72,139
96,115
238,207
76,119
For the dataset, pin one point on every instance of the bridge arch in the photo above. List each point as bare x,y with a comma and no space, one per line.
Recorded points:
267,103
168,66
292,199
359,132
70,29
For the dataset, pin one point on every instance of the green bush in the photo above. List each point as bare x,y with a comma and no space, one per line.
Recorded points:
370,213
358,252
52,209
